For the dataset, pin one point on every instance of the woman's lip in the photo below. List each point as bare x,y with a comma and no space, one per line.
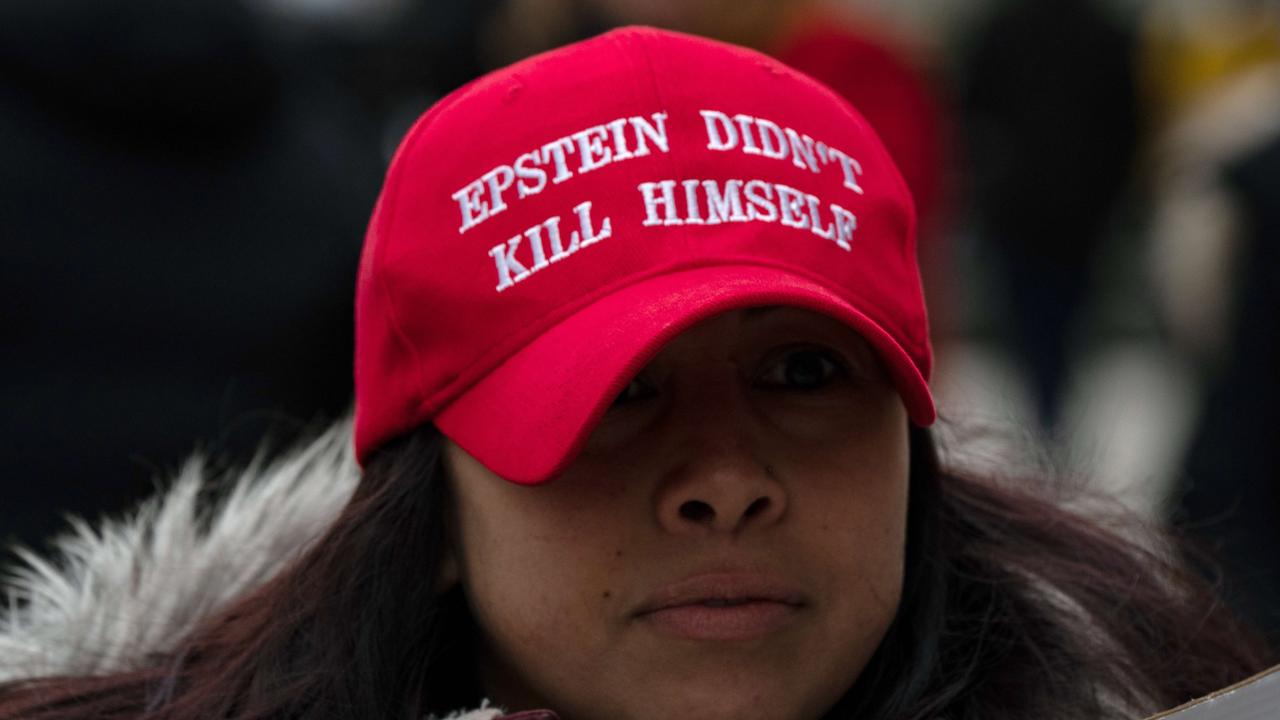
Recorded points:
722,606
744,621
731,586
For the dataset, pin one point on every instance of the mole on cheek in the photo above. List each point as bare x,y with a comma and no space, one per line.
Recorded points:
606,595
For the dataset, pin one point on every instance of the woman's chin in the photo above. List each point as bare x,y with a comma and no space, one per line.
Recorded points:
729,697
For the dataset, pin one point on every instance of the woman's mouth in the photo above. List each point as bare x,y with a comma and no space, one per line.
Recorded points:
722,606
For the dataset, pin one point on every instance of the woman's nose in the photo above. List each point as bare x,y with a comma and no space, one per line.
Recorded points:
720,488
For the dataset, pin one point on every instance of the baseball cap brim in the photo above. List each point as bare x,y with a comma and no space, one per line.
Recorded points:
527,419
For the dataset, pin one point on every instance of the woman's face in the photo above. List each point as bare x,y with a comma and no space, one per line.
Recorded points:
729,544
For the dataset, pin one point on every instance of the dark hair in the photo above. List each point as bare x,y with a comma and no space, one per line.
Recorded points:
1013,607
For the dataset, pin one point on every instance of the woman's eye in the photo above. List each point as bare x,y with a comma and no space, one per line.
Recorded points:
637,389
802,369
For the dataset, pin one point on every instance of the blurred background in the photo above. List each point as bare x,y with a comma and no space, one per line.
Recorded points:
184,188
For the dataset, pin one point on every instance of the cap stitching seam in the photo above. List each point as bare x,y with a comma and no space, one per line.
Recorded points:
673,169
379,275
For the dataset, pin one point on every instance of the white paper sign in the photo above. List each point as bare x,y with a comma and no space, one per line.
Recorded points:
1257,698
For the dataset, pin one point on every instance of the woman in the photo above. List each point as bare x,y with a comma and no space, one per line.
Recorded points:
643,419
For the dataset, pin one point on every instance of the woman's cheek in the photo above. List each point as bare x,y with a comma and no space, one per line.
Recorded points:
548,563
824,422
544,605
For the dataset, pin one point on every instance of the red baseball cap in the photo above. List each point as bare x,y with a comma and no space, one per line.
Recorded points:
546,229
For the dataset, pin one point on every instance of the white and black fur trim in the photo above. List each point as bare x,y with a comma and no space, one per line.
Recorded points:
113,595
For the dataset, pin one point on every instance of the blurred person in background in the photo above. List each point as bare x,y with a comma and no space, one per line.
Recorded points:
1212,78
1050,115
184,192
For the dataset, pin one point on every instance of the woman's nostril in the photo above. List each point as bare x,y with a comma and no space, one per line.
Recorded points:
700,512
697,511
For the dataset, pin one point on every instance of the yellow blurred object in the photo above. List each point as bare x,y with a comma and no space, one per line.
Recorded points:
1190,48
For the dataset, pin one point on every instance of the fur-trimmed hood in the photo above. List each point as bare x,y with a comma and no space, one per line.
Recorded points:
114,593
